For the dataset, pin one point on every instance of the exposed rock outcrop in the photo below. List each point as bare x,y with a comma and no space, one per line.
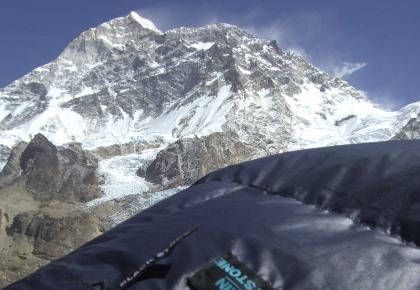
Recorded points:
52,173
12,170
410,131
105,152
186,160
55,232
42,217
4,154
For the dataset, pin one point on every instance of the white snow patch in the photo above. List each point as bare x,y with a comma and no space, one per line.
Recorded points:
111,43
86,91
2,164
146,23
244,71
265,99
119,176
201,117
42,69
317,113
202,45
3,111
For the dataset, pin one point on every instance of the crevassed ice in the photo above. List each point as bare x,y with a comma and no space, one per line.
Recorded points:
119,176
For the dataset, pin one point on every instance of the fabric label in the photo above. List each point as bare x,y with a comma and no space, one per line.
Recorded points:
227,273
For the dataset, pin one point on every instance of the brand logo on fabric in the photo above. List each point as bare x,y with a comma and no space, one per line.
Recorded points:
227,273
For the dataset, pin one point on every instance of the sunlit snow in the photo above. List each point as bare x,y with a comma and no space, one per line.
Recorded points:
202,45
118,176
146,23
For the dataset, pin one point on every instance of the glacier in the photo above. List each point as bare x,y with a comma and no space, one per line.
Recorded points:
126,81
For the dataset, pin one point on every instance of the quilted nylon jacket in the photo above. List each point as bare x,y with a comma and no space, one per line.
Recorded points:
344,217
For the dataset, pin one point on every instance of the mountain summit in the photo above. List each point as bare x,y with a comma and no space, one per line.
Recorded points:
127,81
145,23
217,86
129,113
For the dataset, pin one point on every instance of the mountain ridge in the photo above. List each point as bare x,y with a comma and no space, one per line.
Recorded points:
127,83
145,113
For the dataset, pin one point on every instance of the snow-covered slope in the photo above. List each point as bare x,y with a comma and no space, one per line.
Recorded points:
126,81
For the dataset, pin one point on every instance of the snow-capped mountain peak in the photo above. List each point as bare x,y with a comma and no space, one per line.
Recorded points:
125,80
146,23
158,110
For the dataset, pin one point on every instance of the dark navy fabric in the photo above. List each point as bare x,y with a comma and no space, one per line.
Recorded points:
375,183
262,211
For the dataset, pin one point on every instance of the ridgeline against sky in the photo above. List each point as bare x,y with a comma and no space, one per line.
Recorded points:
372,44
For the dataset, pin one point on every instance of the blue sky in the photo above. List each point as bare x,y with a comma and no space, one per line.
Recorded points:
373,44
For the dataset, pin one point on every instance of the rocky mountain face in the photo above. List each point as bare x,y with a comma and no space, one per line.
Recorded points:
42,190
127,111
410,131
125,81
50,173
188,159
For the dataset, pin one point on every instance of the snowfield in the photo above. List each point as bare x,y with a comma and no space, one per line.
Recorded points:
126,81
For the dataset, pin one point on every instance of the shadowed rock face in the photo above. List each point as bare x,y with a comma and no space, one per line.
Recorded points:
189,159
12,170
121,149
410,131
39,163
51,173
42,188
53,234
4,153
35,94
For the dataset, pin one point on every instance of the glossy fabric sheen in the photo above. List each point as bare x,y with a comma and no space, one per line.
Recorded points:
263,212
